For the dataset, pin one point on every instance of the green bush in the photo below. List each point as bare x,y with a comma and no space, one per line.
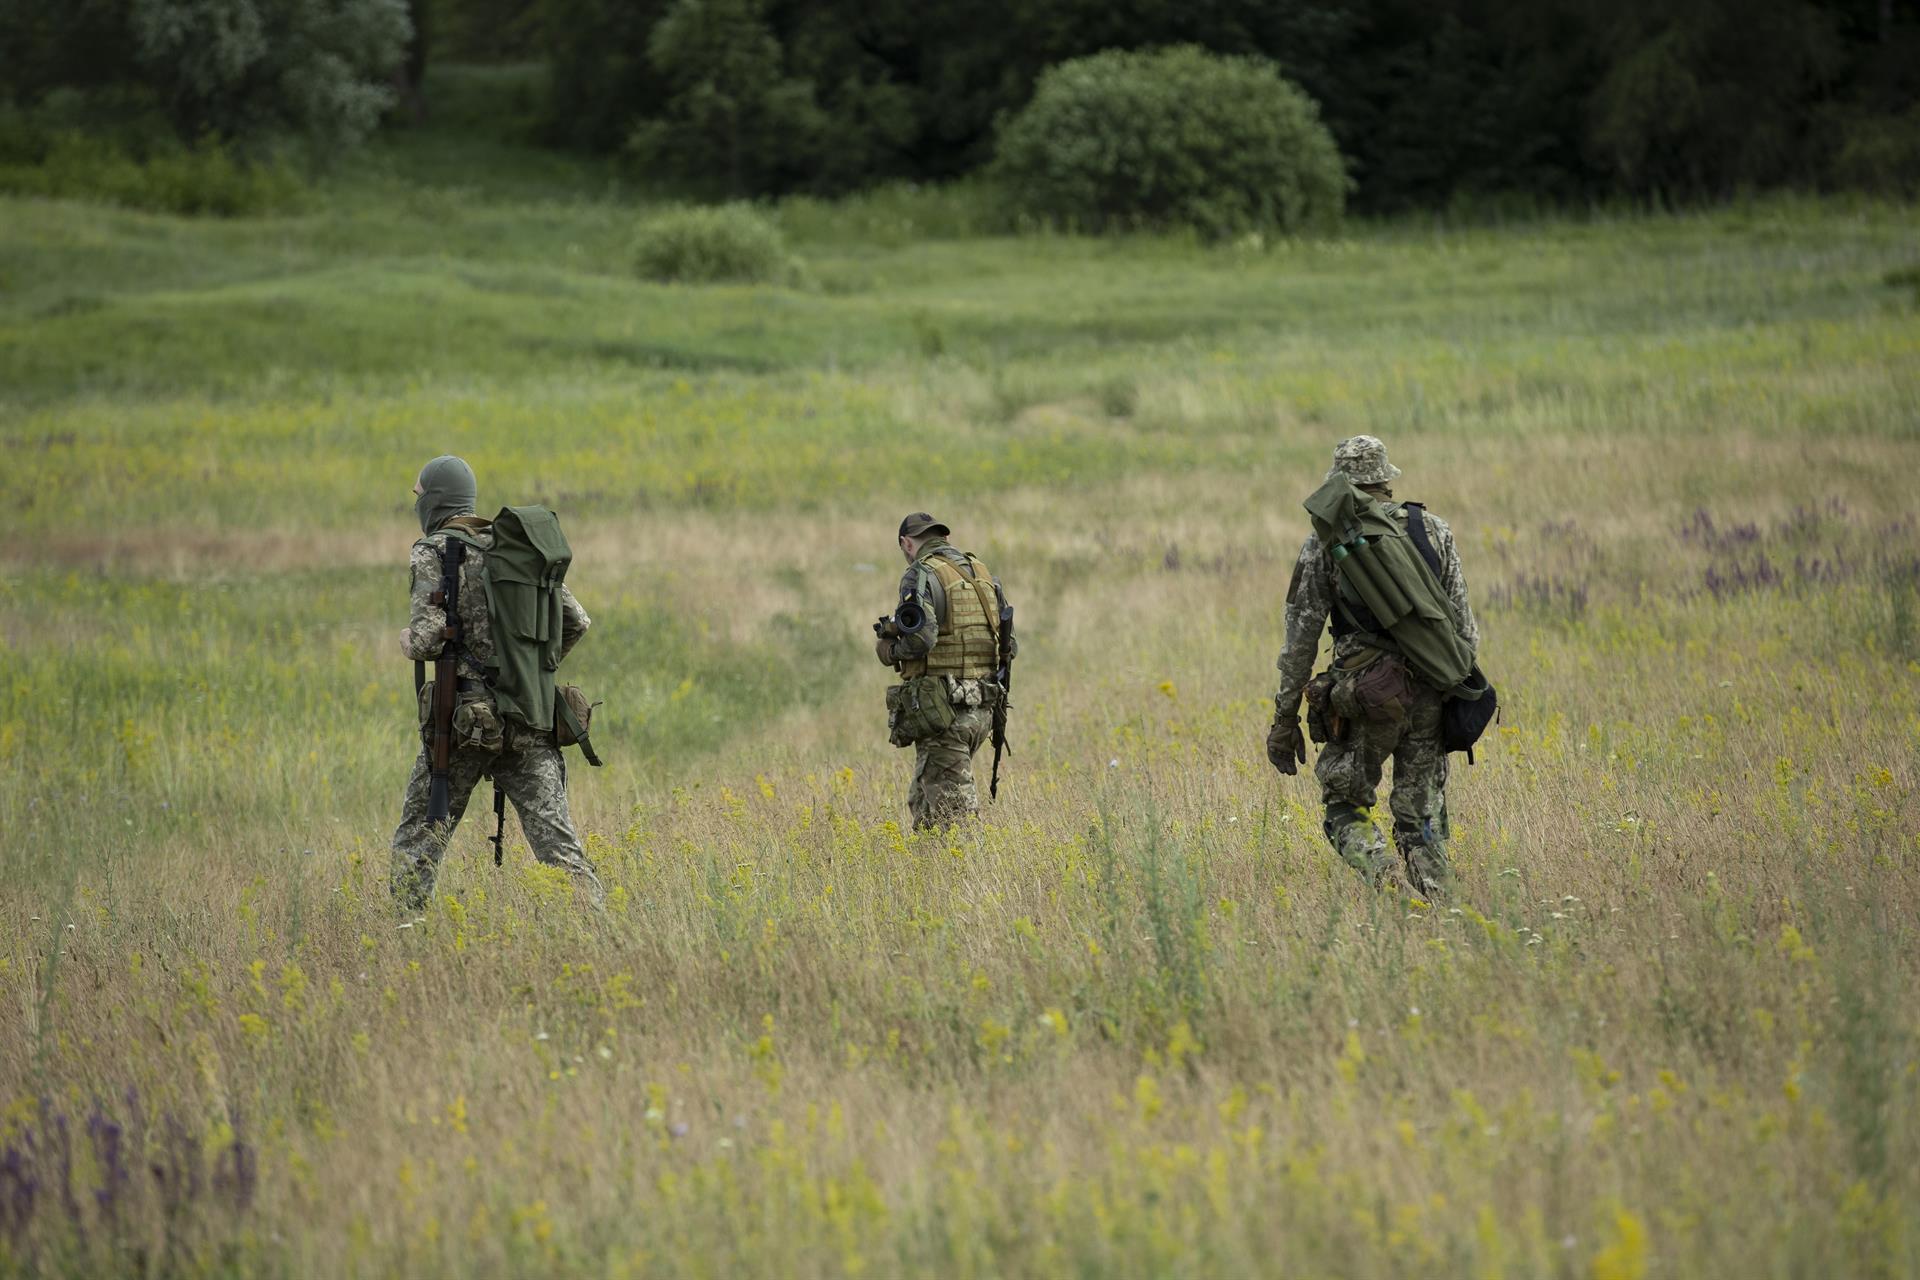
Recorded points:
703,245
1172,138
202,180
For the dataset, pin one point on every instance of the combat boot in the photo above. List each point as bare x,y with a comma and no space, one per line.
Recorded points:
1425,858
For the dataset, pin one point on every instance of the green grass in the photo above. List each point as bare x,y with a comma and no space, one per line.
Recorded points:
1139,1020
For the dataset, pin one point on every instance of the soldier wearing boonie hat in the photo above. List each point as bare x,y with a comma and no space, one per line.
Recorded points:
944,639
1365,708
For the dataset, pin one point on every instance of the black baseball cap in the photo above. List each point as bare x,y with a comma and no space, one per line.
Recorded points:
921,523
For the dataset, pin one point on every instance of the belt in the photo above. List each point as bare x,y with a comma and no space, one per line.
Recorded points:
472,686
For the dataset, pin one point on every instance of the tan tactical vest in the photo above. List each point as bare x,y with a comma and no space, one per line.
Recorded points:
969,643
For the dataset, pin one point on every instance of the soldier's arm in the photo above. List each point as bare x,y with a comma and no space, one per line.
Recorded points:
1454,580
573,622
426,621
917,587
1309,600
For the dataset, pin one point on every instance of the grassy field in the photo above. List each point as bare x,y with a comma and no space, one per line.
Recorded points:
1137,1021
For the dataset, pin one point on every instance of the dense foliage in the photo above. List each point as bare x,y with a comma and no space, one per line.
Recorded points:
321,71
1430,100
1174,137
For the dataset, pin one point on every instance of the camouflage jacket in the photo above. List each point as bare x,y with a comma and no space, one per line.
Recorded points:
428,620
921,585
1310,607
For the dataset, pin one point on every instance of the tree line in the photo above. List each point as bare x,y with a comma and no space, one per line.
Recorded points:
1428,101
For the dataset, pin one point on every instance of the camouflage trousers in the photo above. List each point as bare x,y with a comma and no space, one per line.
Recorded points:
533,776
943,792
1403,726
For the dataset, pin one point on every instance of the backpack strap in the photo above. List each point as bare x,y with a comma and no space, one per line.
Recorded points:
1417,530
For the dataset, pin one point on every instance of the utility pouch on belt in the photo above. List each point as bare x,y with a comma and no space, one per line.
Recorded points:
918,709
476,725
1383,692
425,696
572,714
1319,713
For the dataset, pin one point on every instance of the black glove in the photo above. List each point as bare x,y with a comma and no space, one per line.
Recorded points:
1286,746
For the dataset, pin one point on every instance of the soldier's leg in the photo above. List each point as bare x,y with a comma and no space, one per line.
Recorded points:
943,791
418,844
1349,775
534,777
1419,800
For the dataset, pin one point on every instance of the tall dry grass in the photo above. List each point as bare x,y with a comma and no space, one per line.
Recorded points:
1138,1019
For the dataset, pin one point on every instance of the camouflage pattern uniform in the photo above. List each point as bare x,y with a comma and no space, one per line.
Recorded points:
524,763
1404,728
943,791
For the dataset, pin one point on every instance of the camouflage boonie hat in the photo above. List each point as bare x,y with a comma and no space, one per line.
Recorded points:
1363,459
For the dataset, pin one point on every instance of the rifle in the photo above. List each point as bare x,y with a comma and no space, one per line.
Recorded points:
446,679
1004,676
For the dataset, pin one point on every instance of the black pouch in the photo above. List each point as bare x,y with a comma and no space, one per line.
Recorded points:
918,709
1466,713
1319,694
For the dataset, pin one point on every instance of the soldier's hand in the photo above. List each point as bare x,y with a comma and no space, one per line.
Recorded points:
406,642
883,650
1286,745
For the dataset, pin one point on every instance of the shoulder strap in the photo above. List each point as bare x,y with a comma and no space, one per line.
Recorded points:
1417,530
979,578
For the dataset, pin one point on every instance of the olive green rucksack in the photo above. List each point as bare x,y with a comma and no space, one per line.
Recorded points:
526,567
1377,566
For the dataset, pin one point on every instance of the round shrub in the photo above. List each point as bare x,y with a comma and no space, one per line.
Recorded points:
1172,138
703,245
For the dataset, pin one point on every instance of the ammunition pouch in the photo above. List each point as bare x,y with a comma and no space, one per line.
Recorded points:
1380,693
1320,715
475,722
477,725
572,715
918,709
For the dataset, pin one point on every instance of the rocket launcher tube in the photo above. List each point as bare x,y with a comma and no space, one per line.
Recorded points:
1384,599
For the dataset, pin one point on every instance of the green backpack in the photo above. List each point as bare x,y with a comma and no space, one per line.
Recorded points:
526,567
1377,565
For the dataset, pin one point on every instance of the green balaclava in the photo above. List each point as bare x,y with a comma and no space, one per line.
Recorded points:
446,490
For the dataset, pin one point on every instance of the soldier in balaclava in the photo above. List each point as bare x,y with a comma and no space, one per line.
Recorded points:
1369,707
524,764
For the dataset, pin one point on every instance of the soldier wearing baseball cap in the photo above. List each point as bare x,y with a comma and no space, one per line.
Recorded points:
1369,706
950,637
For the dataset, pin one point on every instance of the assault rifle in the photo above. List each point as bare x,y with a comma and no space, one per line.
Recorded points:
1004,677
446,679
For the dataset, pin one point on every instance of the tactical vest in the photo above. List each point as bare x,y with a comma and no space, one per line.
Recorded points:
969,643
